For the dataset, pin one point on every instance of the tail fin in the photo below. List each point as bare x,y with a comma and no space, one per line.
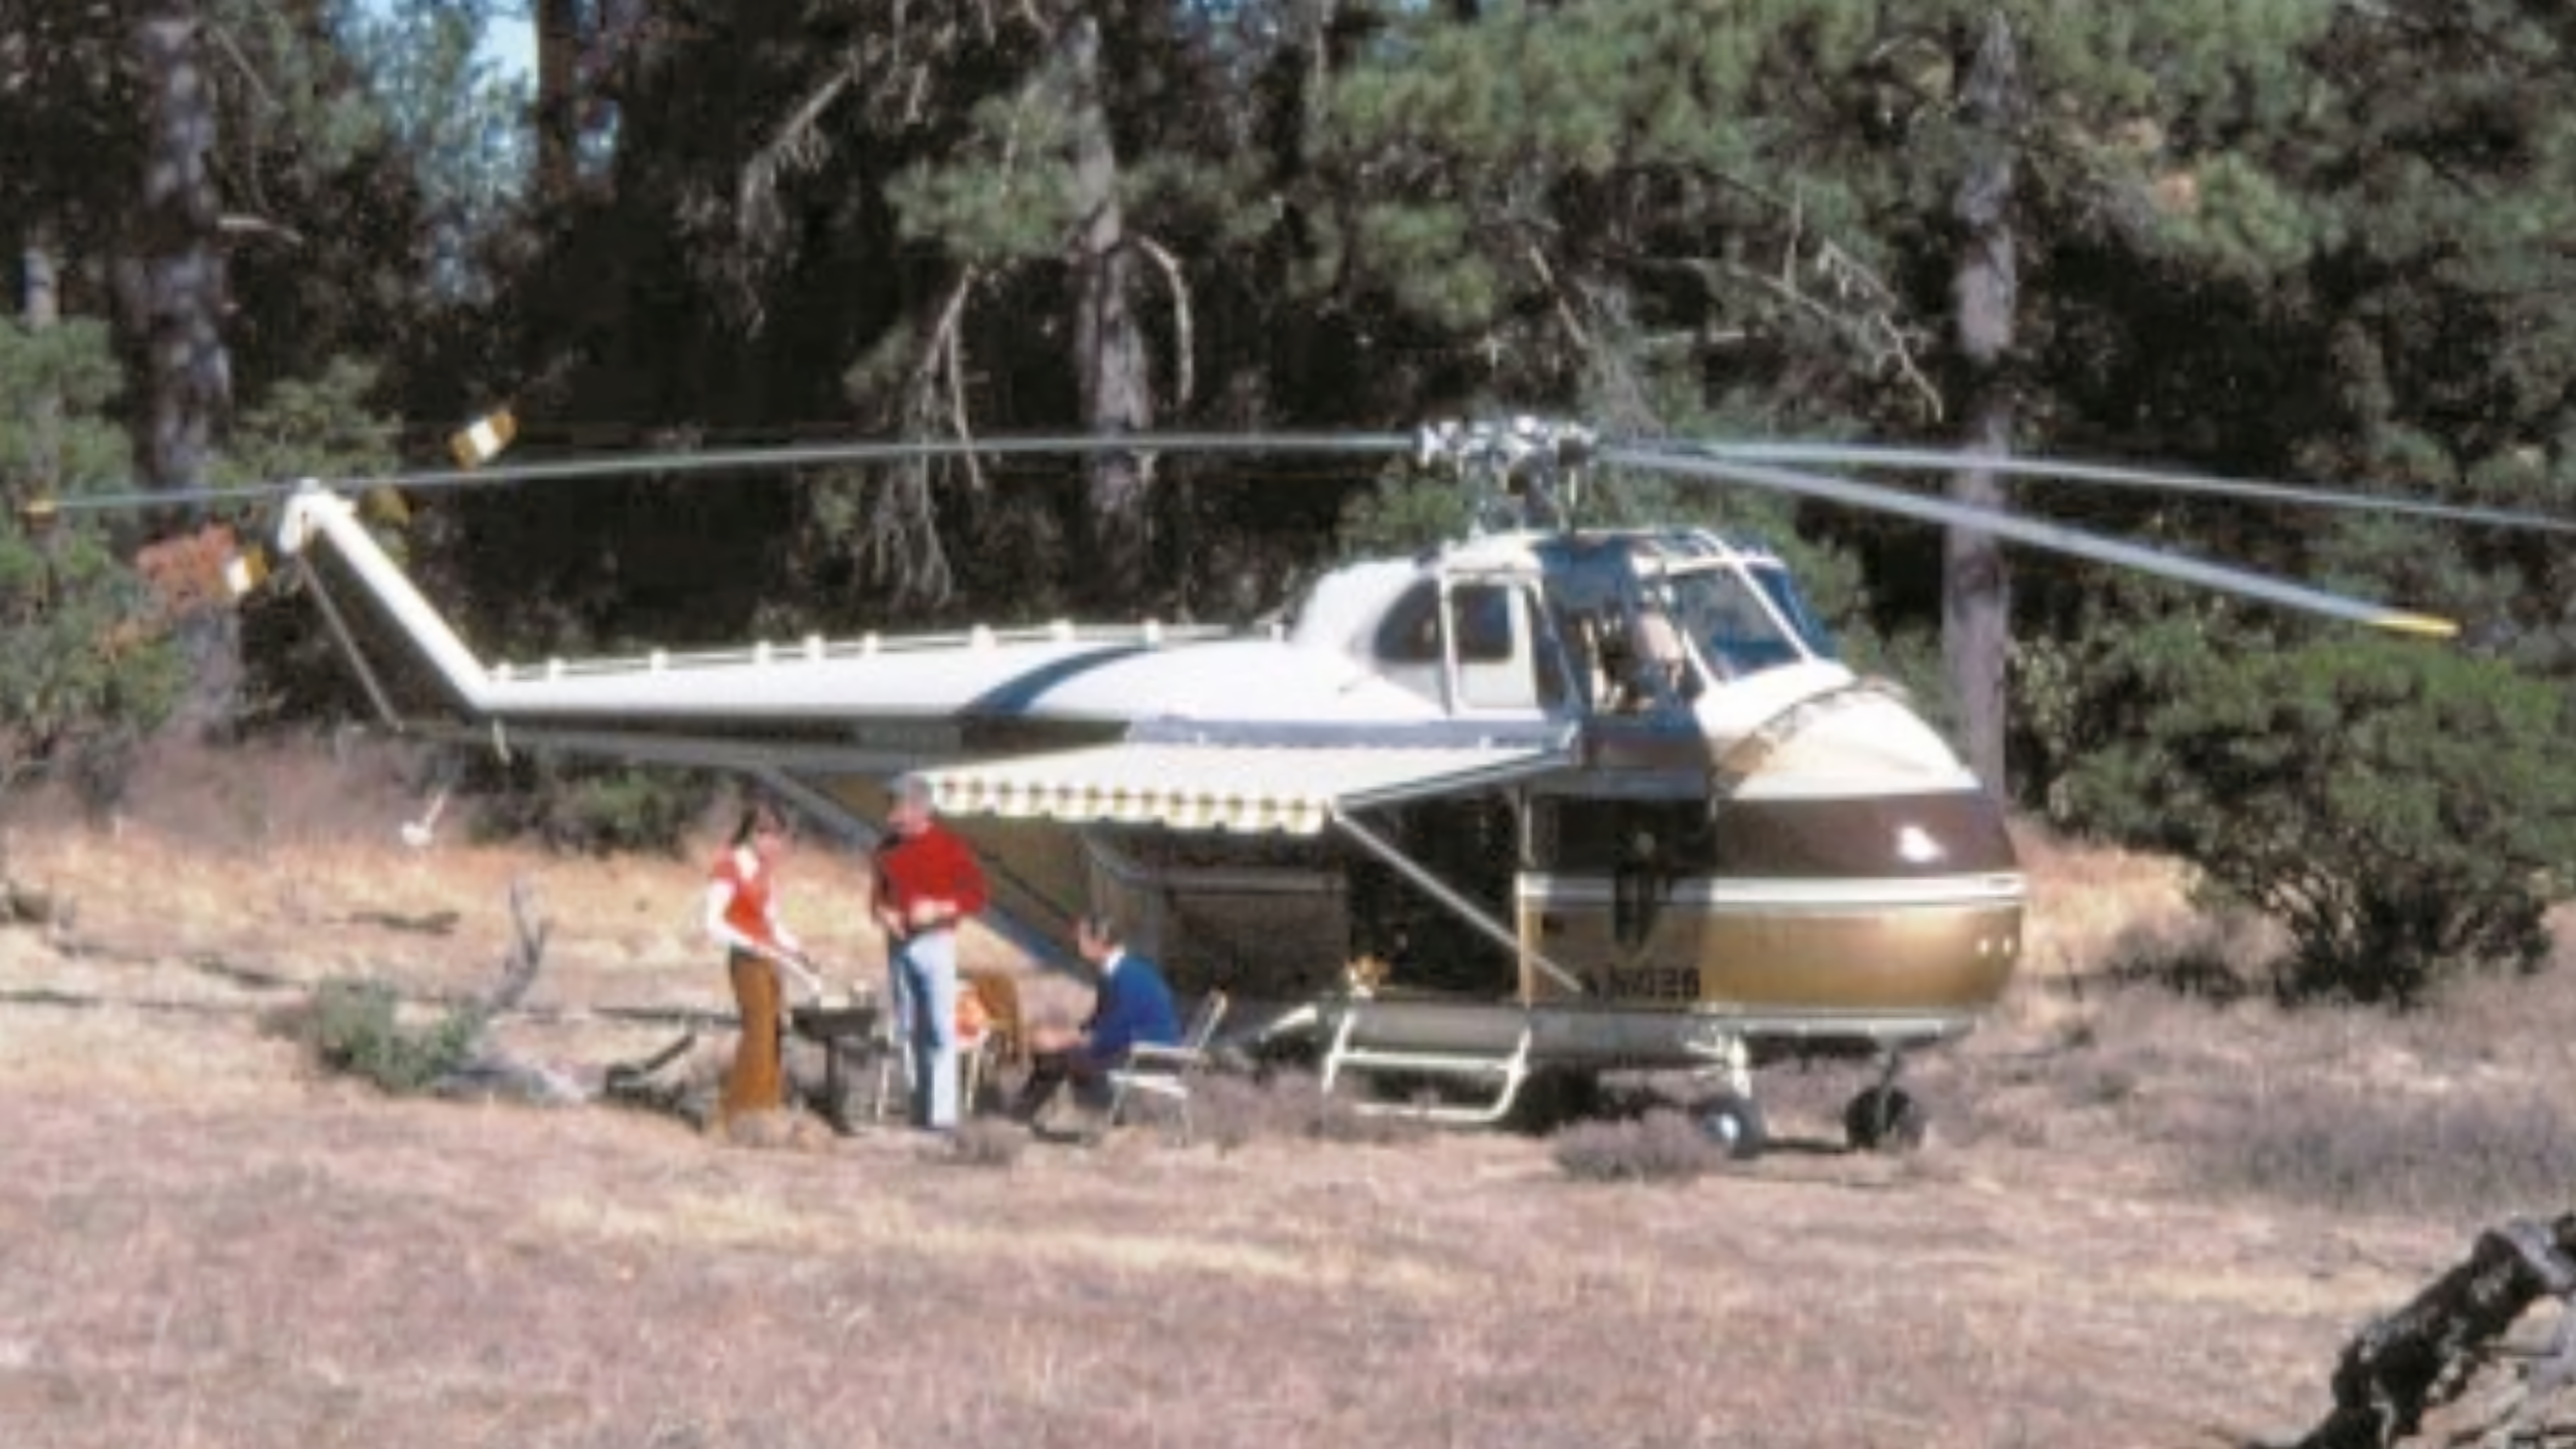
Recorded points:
315,513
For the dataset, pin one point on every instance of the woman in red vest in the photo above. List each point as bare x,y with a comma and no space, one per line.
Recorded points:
742,916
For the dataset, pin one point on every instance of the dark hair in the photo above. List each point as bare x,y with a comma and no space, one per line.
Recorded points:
1099,927
757,817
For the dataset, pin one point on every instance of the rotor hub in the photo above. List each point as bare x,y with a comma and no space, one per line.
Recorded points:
1526,473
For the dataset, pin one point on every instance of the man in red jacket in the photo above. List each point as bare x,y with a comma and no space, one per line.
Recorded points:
927,882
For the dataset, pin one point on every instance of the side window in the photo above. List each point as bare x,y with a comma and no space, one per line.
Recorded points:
1500,663
1484,615
1505,659
1411,631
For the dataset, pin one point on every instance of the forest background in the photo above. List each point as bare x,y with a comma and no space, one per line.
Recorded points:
2271,238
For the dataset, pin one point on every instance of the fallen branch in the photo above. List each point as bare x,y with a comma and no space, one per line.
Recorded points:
641,1084
433,923
487,1072
2441,1371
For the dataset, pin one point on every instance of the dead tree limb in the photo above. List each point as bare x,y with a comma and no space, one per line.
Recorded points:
642,1084
2434,1351
487,1071
528,929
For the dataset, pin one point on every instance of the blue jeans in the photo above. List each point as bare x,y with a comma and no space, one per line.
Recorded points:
898,1006
927,967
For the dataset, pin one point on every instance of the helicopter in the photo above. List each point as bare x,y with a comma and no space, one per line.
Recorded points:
1543,802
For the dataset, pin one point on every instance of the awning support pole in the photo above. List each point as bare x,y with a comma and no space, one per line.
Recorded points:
1465,909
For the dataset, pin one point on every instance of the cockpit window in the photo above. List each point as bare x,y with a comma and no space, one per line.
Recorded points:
1783,591
1724,615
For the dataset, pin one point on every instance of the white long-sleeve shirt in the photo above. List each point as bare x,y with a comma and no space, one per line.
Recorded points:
725,931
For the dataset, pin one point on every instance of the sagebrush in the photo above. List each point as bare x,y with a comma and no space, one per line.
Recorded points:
357,1027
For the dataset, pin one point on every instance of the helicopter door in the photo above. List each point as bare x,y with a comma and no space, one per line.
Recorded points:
1503,659
1619,891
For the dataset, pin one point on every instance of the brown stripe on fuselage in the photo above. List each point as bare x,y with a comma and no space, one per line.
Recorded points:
1905,836
1827,837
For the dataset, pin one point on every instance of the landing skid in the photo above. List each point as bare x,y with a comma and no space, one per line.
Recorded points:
1506,1072
1489,1052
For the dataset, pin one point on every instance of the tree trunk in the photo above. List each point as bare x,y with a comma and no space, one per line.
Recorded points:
41,307
1976,601
1117,389
42,302
558,96
181,291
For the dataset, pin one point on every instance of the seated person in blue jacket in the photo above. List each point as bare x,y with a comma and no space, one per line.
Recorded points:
1133,1008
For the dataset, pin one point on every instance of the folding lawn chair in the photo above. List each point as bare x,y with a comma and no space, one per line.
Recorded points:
1167,1072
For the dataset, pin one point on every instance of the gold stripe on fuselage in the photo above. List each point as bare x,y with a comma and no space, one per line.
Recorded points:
1829,947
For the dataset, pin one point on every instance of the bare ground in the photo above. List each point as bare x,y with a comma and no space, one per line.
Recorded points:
202,1242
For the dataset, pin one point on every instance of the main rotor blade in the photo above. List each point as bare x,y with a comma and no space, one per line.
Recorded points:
2164,480
803,455
2035,532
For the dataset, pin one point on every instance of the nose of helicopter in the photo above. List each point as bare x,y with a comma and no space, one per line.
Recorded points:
1819,729
1859,737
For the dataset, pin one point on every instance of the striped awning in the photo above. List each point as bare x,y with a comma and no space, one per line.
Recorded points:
1249,789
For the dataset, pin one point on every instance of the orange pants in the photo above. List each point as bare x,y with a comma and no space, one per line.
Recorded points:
757,1082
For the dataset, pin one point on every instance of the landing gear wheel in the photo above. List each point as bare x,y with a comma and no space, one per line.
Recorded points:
1735,1124
1886,1119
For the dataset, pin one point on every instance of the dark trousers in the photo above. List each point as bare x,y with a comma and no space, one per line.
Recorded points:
1048,1074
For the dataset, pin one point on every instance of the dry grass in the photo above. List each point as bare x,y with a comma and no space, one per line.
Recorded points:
203,1243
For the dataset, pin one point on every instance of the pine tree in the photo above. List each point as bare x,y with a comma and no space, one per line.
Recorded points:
1833,209
178,301
87,670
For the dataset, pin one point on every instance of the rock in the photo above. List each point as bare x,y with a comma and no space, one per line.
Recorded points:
27,905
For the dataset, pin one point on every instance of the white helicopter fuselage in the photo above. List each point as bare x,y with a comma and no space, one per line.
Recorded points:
1653,810
1542,798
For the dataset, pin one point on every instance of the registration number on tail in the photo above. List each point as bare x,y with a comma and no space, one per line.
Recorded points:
1651,983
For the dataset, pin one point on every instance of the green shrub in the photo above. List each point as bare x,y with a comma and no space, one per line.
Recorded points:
87,668
593,807
1402,514
355,1027
2404,811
